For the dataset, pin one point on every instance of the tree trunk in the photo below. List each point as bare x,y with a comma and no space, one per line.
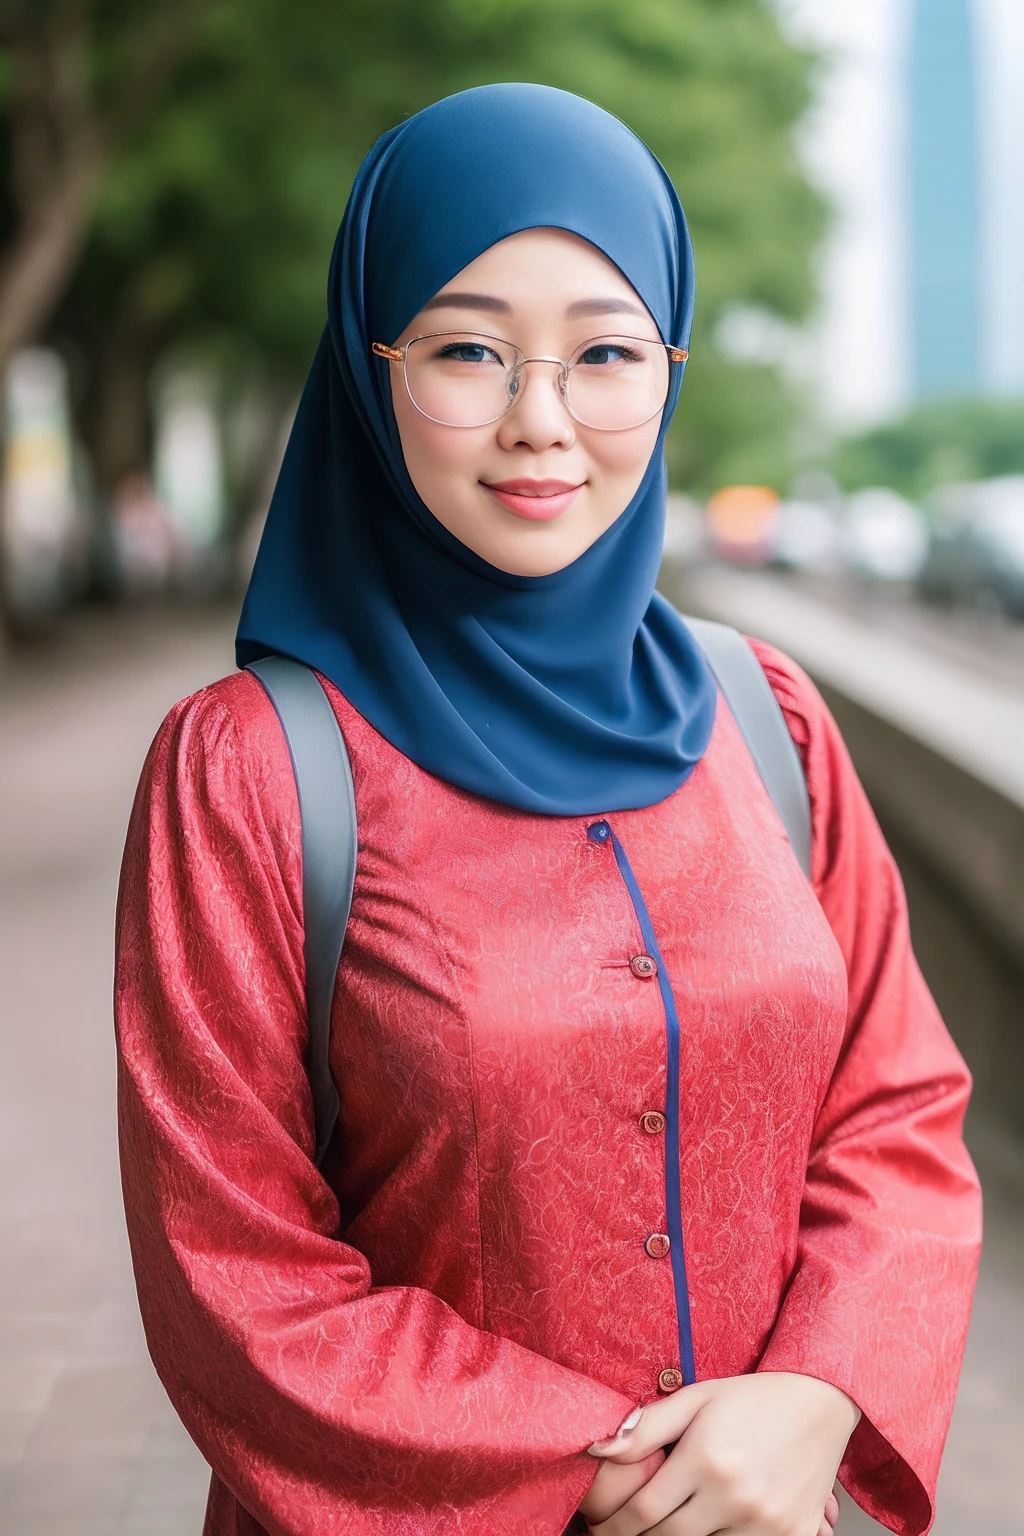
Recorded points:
35,271
119,428
57,158
62,140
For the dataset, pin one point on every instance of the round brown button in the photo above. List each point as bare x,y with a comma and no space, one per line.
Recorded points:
653,1122
670,1380
658,1245
643,966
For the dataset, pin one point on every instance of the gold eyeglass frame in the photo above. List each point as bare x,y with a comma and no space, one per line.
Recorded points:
399,354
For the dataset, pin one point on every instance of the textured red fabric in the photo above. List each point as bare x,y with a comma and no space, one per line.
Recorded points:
423,1339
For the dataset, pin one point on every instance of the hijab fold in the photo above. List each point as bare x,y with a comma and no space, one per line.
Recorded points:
570,694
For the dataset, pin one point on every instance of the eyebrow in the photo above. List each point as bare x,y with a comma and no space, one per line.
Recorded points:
585,307
581,309
469,301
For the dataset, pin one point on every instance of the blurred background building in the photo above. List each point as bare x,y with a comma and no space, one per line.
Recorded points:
917,136
946,173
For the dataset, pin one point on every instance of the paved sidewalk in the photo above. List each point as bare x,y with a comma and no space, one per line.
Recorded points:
88,1444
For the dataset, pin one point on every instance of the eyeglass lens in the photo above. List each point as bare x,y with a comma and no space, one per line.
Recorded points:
467,380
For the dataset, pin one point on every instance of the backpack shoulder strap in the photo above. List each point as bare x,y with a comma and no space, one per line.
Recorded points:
762,724
327,807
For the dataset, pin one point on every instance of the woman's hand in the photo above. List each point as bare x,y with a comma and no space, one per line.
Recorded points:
616,1483
756,1456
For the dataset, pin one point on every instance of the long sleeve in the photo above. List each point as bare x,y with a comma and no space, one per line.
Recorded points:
323,1403
880,1298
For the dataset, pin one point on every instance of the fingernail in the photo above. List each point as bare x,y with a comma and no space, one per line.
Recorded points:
625,1428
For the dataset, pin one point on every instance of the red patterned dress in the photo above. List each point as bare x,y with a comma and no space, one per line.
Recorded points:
624,1100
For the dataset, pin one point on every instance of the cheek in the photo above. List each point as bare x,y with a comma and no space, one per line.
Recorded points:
623,456
436,455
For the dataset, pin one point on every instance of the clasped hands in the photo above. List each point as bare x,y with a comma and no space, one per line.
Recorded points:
747,1455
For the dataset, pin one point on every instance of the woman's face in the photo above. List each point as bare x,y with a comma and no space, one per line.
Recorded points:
534,489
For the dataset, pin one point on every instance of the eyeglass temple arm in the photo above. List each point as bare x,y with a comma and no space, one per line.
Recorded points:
677,354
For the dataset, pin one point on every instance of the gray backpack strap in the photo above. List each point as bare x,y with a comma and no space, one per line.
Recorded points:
762,724
327,807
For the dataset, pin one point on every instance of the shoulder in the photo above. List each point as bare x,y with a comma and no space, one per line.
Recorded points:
803,706
838,803
221,753
234,707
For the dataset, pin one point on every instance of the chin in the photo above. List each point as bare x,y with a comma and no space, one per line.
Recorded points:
519,561
518,546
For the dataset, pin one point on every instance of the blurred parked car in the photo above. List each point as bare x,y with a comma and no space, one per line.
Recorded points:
806,537
685,533
741,522
884,536
977,549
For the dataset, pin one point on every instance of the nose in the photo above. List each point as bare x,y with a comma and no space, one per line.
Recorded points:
538,417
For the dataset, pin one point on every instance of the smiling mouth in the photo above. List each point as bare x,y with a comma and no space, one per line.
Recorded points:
536,500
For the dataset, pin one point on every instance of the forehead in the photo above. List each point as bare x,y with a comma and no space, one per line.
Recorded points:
546,258
548,271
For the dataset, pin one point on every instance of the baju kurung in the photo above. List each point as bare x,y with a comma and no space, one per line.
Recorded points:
625,1101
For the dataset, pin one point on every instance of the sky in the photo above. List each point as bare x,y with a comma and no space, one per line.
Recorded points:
855,146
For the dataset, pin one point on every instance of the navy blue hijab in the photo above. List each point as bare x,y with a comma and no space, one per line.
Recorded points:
569,694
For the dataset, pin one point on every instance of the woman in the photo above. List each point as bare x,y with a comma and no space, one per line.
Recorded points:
637,1128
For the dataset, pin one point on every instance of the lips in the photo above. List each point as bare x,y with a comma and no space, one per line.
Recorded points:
537,500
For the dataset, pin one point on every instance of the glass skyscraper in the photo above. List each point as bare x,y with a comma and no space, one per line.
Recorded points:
945,245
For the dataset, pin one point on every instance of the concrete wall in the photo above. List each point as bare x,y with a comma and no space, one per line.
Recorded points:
960,848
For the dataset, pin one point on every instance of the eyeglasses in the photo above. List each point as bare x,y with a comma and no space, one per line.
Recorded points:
462,379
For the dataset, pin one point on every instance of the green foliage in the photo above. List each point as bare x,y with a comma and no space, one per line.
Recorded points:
221,216
937,442
734,426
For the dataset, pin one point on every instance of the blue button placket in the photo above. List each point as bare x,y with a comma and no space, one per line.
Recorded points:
600,832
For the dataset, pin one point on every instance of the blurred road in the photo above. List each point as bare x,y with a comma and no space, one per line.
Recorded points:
88,1444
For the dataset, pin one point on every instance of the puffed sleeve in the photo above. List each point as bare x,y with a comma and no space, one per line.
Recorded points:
324,1404
880,1298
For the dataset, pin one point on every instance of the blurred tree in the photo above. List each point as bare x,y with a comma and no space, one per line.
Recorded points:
77,78
937,442
216,220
